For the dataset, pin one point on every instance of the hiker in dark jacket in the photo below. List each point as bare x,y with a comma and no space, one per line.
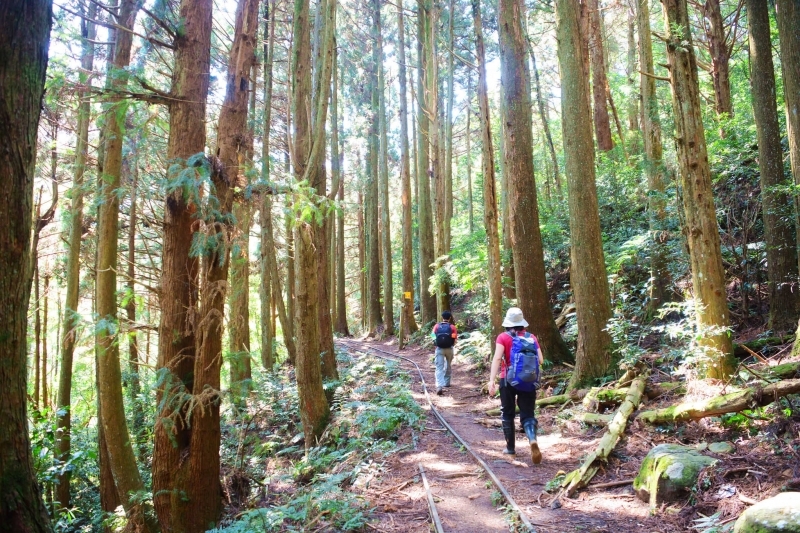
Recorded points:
444,337
515,325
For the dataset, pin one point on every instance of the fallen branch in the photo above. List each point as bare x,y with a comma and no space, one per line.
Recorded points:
594,419
728,403
612,484
582,476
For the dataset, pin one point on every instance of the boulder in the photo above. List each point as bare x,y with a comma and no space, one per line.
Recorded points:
668,473
721,447
779,514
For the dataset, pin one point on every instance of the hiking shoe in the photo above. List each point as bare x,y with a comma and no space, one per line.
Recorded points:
439,391
536,455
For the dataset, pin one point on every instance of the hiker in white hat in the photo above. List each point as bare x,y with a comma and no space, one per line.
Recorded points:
517,342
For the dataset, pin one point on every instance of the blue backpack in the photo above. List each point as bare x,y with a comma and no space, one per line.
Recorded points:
523,372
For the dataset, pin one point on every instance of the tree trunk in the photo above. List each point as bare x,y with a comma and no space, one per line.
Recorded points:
386,234
489,185
602,123
507,254
337,156
720,57
426,249
708,276
470,206
179,278
633,102
543,116
37,333
266,293
653,164
115,428
789,35
526,237
780,243
408,323
309,135
239,323
71,318
371,215
587,271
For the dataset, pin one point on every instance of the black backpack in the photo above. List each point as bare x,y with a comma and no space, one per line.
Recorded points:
444,336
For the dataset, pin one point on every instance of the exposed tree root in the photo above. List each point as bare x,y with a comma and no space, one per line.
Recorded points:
728,403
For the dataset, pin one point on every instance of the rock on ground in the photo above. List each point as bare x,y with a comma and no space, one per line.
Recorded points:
668,473
779,514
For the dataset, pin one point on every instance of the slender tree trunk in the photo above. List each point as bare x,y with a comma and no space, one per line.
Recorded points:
386,234
602,123
362,260
541,105
781,260
526,237
633,102
133,383
73,272
720,57
587,270
653,164
239,323
371,216
266,293
309,135
40,382
489,184
336,169
468,141
425,154
507,253
708,276
179,278
115,428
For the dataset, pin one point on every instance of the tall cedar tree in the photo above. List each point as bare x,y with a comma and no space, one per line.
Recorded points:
115,428
705,257
383,186
720,51
337,156
781,260
489,184
424,128
653,163
371,216
526,236
71,318
408,323
24,43
266,293
179,278
602,123
789,35
309,137
587,271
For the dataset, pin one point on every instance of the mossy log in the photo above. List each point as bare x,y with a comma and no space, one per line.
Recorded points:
559,399
593,419
728,403
582,476
597,398
759,344
784,371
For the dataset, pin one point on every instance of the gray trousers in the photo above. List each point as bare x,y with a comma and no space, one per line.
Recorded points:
444,365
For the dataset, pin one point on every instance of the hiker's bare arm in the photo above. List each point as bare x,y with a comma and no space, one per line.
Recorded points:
541,357
499,351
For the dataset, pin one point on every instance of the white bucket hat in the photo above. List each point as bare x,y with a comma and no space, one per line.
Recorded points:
514,318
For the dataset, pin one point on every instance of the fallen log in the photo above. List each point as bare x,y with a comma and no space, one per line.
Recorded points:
739,350
574,396
582,476
784,371
598,397
728,403
593,419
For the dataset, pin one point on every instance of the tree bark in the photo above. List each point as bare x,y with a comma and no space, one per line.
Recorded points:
372,192
489,185
653,164
241,367
266,293
115,428
71,317
602,123
526,237
587,271
708,276
408,323
543,116
308,148
337,156
780,243
383,177
720,57
424,154
179,280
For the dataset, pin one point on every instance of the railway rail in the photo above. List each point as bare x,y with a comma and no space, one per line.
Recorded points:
384,354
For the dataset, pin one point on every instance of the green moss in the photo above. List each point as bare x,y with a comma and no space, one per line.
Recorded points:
668,472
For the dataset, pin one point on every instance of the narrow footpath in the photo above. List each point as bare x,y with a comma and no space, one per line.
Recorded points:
466,499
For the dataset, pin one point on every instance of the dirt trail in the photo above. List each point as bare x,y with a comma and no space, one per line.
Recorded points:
465,503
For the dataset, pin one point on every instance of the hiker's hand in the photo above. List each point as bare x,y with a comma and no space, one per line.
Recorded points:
492,388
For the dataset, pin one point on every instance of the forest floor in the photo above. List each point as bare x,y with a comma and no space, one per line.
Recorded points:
763,462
